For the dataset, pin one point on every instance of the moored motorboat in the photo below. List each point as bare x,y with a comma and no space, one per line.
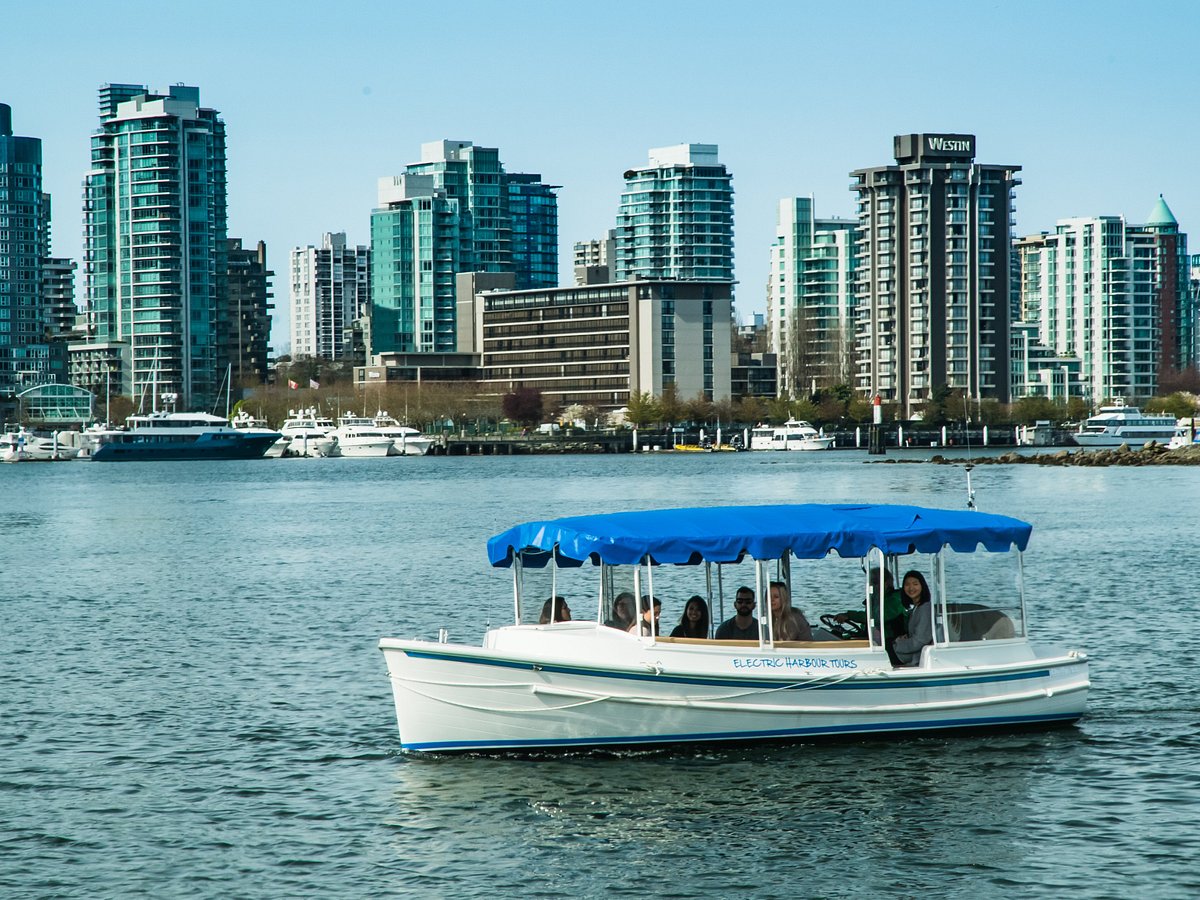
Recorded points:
570,684
246,423
165,435
795,434
357,436
406,440
762,437
1187,434
26,446
308,433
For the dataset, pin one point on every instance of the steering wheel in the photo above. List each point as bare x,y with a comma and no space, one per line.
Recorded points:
847,631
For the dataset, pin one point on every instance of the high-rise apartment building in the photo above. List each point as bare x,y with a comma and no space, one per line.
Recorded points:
24,245
932,280
248,347
155,251
456,210
1176,312
331,289
1094,289
533,206
594,260
810,298
676,217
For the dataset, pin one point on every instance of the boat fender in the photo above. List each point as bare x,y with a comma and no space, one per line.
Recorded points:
656,668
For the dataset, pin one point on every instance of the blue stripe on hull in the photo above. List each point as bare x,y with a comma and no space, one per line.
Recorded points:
772,734
717,681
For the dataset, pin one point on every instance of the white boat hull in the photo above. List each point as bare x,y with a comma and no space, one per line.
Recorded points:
361,447
417,446
824,443
1113,441
572,687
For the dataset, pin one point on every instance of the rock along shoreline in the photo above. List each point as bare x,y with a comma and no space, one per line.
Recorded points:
1152,454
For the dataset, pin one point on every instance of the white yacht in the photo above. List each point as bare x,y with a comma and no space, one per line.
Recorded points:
406,441
359,436
308,434
1187,434
762,437
797,435
1120,424
248,424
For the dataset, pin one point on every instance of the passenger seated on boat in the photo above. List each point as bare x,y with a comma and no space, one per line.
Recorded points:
694,621
894,617
651,610
561,612
743,626
920,619
787,624
622,612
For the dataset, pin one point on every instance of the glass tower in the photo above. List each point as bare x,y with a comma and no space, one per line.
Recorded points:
676,217
155,264
456,210
24,245
810,297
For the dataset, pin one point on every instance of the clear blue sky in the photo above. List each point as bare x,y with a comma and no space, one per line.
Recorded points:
1096,101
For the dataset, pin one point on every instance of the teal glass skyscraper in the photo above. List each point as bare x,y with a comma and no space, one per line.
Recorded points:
676,217
24,244
456,210
155,247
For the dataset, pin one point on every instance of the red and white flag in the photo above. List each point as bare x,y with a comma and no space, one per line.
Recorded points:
292,385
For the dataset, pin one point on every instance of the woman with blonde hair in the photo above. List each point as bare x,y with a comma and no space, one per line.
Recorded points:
787,624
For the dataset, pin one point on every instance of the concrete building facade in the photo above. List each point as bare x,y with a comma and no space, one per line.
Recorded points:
596,345
248,346
330,290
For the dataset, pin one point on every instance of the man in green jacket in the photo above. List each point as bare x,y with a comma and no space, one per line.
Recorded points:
895,619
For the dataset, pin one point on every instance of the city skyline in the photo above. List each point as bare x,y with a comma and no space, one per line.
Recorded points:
1090,100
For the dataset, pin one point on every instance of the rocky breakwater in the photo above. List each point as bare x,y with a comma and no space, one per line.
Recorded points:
1151,454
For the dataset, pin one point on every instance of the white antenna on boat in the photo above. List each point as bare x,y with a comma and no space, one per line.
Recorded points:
970,465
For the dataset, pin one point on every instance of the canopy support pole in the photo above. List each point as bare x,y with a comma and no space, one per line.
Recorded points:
517,569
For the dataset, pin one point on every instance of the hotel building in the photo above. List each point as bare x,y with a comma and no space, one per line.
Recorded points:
932,272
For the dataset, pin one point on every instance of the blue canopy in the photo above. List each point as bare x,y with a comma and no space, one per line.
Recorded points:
725,534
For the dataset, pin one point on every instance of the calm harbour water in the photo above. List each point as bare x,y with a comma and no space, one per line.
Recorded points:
192,703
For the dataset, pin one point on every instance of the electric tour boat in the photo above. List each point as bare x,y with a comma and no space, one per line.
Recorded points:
583,684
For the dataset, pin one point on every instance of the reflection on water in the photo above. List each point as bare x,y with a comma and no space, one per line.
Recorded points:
193,704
